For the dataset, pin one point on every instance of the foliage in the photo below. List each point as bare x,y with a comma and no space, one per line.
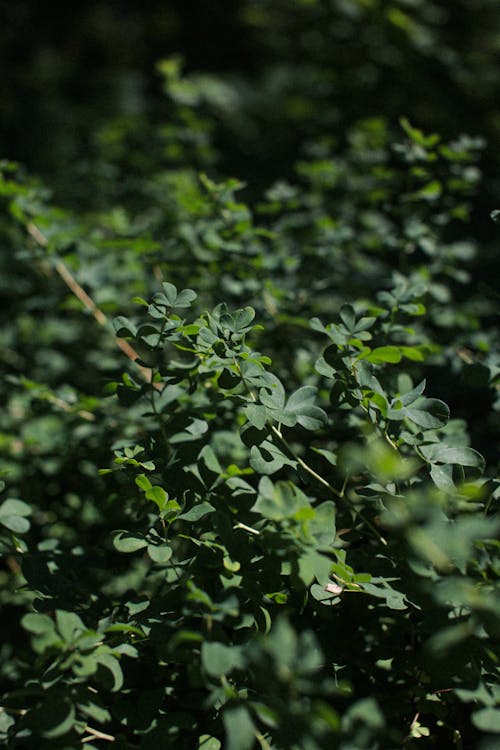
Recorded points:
276,523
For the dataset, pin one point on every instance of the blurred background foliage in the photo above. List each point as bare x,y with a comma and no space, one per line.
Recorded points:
275,74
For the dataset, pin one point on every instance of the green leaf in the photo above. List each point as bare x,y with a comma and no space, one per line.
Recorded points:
243,318
442,476
13,515
95,711
170,292
487,720
85,665
12,507
219,659
185,298
322,525
348,316
16,524
143,482
429,413
197,512
37,624
6,722
69,625
55,717
324,596
240,729
207,742
413,353
124,327
383,354
412,395
173,299
273,395
430,192
268,458
313,566
300,409
279,501
160,554
126,541
366,712
112,665
256,415
158,496
453,454
209,458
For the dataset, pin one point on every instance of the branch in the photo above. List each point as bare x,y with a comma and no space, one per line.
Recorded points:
90,305
95,733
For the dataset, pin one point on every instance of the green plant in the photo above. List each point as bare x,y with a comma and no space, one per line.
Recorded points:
258,525
270,530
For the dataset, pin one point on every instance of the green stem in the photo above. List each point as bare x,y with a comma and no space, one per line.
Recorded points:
340,496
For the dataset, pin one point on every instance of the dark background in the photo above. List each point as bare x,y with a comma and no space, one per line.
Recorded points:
305,67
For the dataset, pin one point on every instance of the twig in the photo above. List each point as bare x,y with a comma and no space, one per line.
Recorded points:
13,565
262,741
95,733
90,305
243,526
339,495
304,465
83,413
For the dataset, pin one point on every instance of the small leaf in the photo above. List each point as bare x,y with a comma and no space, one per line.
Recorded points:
243,318
381,354
256,415
124,327
313,566
240,729
487,720
348,316
68,624
12,507
301,409
37,624
442,476
268,458
207,742
143,482
126,541
197,512
429,413
219,659
55,717
112,665
453,454
279,501
13,515
16,524
160,554
185,298
158,496
430,192
170,292
410,396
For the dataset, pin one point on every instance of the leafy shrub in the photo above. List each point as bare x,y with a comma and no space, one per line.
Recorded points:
300,568
271,529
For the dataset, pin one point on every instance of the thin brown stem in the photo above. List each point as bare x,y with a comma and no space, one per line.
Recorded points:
90,305
96,734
